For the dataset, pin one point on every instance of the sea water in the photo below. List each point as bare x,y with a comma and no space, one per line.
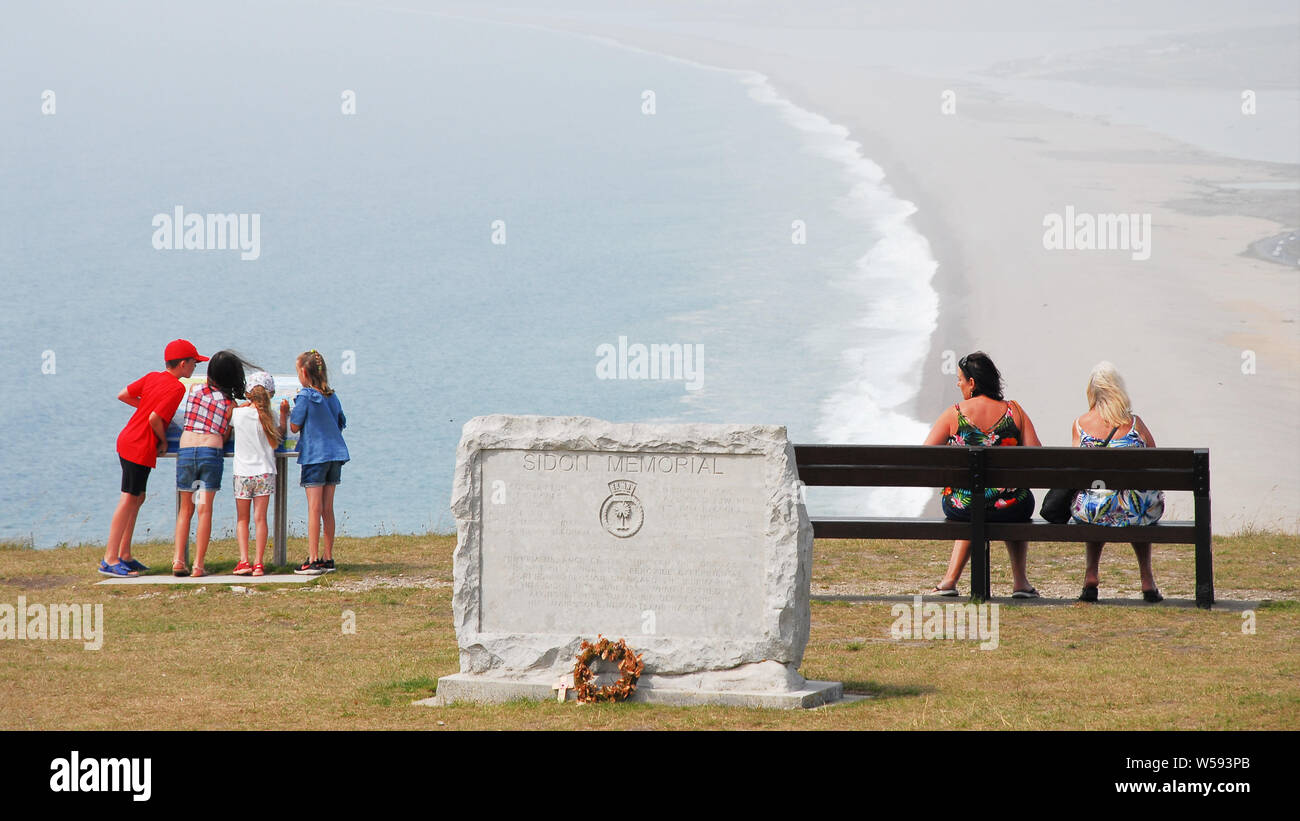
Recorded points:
503,202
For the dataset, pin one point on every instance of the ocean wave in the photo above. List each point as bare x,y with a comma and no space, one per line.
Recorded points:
886,348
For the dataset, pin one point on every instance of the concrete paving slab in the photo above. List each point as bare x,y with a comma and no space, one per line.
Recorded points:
281,578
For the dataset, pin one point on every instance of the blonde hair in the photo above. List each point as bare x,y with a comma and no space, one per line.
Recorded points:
1108,396
262,401
314,364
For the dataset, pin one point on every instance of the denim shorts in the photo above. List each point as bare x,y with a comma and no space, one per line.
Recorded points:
199,469
321,473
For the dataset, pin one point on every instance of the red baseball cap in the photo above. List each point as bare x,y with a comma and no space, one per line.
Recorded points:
182,349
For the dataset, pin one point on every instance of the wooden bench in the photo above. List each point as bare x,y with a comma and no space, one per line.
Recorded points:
982,467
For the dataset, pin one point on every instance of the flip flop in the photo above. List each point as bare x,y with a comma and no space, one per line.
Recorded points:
1031,593
943,591
1089,593
197,572
179,569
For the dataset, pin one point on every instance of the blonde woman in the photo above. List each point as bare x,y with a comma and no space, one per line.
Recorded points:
1110,414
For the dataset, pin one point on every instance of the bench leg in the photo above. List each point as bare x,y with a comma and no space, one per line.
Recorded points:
980,581
979,543
1204,554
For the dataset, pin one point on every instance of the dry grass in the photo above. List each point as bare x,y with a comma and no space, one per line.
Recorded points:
188,658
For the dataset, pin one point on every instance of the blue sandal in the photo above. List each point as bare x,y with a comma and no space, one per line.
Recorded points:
118,569
137,566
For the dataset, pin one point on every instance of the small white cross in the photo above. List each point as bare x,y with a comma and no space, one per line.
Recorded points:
563,687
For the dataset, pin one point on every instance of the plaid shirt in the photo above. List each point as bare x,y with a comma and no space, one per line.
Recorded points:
208,411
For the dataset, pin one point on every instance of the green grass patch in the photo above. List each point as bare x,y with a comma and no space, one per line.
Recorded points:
281,658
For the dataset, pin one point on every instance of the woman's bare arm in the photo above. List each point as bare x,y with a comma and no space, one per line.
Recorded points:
1027,430
942,428
1144,433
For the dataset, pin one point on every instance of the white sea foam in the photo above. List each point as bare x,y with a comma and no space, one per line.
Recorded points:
886,348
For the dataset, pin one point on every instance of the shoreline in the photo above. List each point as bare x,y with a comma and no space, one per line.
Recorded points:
1178,323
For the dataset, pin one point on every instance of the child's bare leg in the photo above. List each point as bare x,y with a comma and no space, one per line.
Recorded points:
124,551
1091,574
204,530
1143,552
956,563
314,495
184,513
327,519
119,531
259,518
241,527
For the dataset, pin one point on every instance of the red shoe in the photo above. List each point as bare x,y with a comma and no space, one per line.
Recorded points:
243,569
259,570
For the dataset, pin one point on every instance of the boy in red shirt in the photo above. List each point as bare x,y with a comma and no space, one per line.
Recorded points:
155,397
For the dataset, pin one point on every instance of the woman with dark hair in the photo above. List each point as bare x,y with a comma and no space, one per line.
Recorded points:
200,456
984,418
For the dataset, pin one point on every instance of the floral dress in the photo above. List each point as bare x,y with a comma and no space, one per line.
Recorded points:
1116,508
1005,433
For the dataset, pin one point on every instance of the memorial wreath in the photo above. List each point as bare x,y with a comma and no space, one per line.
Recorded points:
629,665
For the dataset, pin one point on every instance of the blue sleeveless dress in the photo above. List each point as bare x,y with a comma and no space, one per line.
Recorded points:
1116,508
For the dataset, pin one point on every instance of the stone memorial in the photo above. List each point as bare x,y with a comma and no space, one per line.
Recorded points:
689,541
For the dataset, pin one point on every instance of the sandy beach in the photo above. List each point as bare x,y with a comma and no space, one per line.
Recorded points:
1205,335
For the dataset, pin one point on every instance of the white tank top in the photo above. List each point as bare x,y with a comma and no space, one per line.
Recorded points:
254,455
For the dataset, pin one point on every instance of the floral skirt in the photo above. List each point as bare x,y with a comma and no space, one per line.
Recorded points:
1118,508
1000,504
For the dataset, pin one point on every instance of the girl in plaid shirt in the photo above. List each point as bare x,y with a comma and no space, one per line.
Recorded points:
200,458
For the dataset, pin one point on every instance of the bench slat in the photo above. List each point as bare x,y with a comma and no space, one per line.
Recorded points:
881,455
1183,459
1172,532
819,475
850,527
1082,477
882,476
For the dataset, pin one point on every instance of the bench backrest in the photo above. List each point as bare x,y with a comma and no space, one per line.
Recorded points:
967,467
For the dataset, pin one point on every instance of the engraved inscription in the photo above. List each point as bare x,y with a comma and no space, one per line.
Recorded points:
688,538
